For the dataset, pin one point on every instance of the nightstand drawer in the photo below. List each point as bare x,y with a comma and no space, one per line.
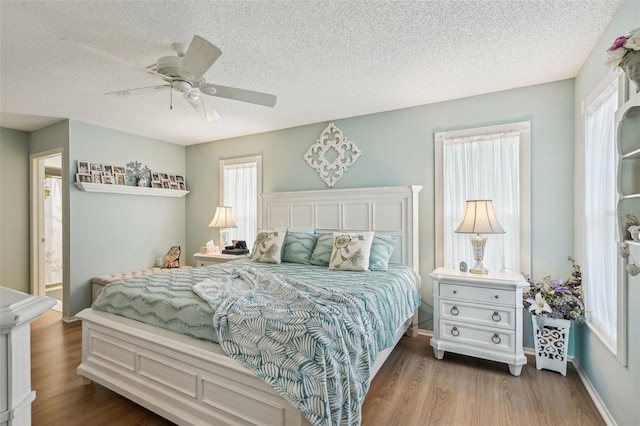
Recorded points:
496,316
478,294
492,339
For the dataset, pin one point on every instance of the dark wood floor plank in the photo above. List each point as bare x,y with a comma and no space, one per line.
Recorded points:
412,388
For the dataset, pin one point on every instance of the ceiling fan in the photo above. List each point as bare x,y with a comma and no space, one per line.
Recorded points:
183,73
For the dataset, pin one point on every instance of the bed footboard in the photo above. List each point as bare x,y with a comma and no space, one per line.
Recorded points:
187,381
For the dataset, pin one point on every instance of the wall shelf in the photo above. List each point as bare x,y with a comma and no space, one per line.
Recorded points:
130,190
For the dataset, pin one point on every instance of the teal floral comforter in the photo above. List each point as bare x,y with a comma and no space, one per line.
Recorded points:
314,344
311,333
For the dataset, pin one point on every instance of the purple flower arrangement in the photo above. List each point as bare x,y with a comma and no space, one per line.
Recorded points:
622,46
557,298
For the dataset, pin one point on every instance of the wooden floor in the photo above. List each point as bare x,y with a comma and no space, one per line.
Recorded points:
412,388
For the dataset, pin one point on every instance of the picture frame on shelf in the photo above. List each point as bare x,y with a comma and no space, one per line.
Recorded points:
96,177
163,176
156,184
155,176
84,177
165,183
179,178
119,170
173,185
95,167
108,179
107,169
172,178
182,186
83,167
120,179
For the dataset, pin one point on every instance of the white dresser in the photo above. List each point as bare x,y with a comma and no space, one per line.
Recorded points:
479,315
17,311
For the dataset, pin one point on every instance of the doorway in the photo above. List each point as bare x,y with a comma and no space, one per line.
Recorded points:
47,252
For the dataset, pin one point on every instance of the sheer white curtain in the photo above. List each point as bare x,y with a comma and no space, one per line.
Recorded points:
240,192
600,276
485,167
53,231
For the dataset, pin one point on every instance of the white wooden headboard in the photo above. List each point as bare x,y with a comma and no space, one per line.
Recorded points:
391,210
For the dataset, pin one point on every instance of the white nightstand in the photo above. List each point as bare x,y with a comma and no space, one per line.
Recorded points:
204,259
479,315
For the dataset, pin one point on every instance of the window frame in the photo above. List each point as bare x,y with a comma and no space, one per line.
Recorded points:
242,160
524,128
620,350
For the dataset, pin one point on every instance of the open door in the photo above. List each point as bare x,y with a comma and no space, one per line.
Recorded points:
47,253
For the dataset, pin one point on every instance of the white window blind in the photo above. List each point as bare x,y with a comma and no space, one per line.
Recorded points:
600,275
240,183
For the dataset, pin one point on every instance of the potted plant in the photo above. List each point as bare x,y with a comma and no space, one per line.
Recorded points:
554,303
138,174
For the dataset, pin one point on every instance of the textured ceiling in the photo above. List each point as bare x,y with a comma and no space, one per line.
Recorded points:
324,60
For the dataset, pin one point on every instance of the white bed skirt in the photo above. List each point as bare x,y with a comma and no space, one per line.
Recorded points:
186,380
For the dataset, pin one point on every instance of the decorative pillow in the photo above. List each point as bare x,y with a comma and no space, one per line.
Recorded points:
322,251
172,258
351,251
381,250
298,247
268,246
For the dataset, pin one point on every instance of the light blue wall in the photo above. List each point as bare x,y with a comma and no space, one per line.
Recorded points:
398,149
113,233
14,209
103,233
618,386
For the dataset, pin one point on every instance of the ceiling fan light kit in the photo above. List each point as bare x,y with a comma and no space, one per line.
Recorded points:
184,73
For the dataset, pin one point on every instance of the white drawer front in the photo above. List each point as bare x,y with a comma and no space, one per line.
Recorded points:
478,294
490,316
496,339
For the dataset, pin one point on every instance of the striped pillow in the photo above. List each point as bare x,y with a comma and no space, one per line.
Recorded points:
322,251
298,247
381,250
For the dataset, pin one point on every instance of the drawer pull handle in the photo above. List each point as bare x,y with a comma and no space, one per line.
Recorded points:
454,310
455,331
455,291
496,296
495,338
496,317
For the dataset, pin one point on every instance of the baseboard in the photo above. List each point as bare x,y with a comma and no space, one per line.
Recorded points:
593,393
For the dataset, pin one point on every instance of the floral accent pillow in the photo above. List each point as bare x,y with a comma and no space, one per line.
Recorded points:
351,251
268,247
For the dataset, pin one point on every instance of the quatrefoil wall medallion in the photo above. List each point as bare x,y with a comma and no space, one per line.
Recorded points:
332,154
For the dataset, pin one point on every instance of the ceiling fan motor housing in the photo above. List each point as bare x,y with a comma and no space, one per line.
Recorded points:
168,65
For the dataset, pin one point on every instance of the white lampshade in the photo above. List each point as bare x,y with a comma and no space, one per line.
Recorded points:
223,218
479,218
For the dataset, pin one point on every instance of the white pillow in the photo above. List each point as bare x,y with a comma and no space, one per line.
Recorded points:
351,251
268,246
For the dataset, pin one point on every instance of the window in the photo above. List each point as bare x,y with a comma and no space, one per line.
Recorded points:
484,163
600,197
240,185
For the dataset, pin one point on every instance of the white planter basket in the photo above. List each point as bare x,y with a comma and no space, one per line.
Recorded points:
551,336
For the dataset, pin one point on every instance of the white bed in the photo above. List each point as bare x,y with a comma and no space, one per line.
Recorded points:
191,381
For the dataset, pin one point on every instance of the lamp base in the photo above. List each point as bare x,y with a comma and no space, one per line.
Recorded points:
478,243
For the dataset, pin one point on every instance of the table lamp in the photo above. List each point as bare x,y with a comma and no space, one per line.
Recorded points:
223,220
479,218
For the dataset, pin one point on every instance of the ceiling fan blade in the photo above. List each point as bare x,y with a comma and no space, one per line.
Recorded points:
201,106
239,94
139,91
110,57
199,57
